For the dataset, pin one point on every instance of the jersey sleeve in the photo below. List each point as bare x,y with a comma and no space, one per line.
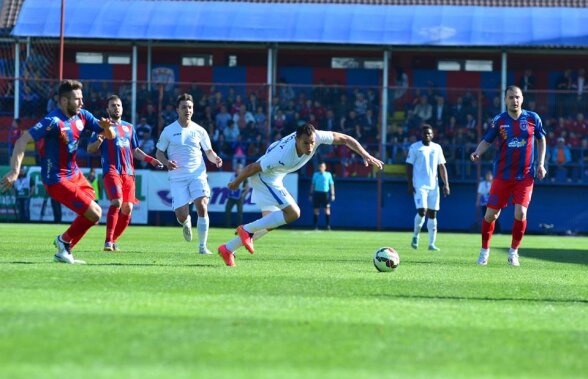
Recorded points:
480,188
492,131
539,132
205,140
410,158
134,141
93,137
441,155
91,121
324,137
163,142
331,181
46,126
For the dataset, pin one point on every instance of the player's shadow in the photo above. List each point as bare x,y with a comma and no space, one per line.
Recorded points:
576,256
115,264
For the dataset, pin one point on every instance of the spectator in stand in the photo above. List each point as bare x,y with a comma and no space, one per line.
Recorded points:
256,148
242,117
348,124
237,104
52,103
286,92
14,133
423,111
527,84
260,120
147,145
440,114
329,123
249,133
361,104
222,118
231,132
579,86
305,109
369,126
239,148
460,111
561,157
342,107
253,102
143,128
318,110
169,115
279,121
151,116
564,83
580,126
217,101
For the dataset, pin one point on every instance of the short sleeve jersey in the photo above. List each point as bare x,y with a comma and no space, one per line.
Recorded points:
184,145
61,136
281,157
321,181
516,144
117,153
425,161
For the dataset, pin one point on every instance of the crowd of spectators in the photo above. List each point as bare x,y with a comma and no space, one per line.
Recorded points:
241,128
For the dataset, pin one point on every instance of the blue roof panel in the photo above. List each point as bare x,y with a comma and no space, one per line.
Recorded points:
306,23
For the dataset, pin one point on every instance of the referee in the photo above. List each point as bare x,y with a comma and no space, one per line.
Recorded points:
322,184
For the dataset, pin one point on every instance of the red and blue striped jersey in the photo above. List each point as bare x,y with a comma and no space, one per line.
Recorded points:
516,144
117,153
61,135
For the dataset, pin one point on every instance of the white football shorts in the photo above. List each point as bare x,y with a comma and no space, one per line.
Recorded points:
269,197
185,191
427,199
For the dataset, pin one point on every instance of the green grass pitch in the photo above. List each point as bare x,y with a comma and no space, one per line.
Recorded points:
305,305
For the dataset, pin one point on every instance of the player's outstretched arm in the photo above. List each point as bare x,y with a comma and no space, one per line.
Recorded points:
140,155
541,147
107,125
15,161
481,149
214,158
94,146
249,170
350,142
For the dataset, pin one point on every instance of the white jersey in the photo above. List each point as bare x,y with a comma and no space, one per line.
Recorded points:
425,161
281,157
183,146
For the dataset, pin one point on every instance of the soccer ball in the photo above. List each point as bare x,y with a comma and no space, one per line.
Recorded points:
386,259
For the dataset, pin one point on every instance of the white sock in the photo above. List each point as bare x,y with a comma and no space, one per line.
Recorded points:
418,224
512,251
432,227
235,243
202,226
270,221
188,220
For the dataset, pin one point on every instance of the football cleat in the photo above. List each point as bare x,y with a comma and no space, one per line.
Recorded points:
513,258
187,229
433,248
483,258
204,251
246,238
415,242
109,246
226,255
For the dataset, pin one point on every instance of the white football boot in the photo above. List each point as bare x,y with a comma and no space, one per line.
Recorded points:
483,258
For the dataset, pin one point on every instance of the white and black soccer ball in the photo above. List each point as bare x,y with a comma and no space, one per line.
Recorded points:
386,259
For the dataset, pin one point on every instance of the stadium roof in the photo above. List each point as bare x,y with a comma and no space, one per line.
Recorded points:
307,22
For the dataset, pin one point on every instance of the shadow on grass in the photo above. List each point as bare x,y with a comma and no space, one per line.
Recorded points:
116,264
562,256
481,298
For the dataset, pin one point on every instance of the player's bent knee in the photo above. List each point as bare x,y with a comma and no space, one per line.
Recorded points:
116,203
126,208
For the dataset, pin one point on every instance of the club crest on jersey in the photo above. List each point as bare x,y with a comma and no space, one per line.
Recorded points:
524,125
79,125
125,128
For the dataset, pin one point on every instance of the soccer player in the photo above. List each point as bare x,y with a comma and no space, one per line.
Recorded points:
516,132
424,164
278,207
61,176
182,141
118,171
322,183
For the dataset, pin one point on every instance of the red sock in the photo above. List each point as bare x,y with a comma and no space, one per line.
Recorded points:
487,230
77,229
121,225
518,231
111,222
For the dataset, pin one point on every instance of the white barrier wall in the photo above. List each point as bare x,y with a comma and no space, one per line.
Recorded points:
152,190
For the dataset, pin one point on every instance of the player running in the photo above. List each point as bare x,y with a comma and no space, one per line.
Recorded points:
514,168
182,140
60,131
118,171
278,207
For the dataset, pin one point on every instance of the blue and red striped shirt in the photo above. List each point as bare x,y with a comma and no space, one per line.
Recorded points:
61,136
117,153
516,144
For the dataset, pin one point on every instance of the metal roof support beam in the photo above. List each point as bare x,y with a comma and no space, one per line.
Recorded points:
503,79
17,79
134,86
